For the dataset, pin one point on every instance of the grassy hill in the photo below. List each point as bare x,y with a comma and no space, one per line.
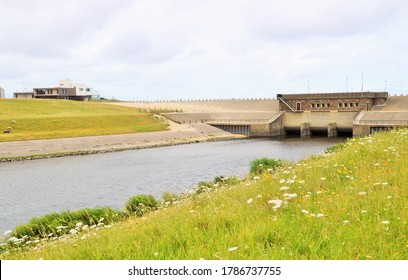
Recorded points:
349,203
46,119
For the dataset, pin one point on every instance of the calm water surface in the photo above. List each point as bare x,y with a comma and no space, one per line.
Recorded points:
34,188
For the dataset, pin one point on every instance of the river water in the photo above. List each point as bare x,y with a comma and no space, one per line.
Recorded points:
34,188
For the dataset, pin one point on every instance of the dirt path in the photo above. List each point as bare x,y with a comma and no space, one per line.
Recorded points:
177,134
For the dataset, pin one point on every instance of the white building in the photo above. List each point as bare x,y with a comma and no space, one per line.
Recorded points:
2,95
80,89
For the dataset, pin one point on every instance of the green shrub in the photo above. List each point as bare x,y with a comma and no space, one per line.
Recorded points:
169,197
61,223
261,165
335,147
141,204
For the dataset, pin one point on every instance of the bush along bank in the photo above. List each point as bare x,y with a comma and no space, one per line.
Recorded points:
346,203
84,222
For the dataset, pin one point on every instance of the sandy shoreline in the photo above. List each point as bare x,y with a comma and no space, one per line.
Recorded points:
176,135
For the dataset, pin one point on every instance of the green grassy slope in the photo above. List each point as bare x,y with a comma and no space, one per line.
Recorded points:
46,119
350,203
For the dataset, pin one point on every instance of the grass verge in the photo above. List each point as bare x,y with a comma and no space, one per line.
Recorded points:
49,119
348,203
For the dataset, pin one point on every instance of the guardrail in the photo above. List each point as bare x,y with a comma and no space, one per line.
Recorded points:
236,122
382,122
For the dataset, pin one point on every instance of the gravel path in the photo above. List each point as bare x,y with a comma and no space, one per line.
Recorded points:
177,134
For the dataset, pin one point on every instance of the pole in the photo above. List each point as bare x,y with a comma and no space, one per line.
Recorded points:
347,84
308,86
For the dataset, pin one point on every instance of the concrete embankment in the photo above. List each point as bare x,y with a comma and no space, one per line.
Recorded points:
178,134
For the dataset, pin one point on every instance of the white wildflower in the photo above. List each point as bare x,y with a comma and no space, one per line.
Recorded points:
319,215
256,178
61,227
385,222
282,181
301,181
156,254
362,193
305,212
101,220
249,200
289,195
232,249
323,178
85,227
73,231
284,188
346,221
8,232
277,203
364,211
78,224
389,196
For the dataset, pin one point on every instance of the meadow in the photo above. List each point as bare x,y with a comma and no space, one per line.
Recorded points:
348,203
48,119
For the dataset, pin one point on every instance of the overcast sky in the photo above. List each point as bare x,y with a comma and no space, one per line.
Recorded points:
195,49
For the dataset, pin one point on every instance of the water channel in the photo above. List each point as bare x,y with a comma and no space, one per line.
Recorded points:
34,188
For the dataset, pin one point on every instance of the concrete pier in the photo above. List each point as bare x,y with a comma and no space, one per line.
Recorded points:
332,130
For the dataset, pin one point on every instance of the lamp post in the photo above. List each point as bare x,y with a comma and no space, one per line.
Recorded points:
347,84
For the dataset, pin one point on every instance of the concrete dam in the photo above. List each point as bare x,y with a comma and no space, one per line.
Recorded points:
331,114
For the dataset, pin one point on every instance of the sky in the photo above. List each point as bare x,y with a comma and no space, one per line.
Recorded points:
147,50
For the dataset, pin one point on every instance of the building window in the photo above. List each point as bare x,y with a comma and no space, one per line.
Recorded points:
351,105
318,105
345,105
81,89
356,104
298,106
88,89
313,105
323,105
340,105
328,105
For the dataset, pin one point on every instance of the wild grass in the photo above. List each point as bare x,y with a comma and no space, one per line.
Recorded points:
140,204
262,165
350,203
48,119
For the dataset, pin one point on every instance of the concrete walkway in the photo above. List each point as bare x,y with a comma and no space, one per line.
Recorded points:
178,134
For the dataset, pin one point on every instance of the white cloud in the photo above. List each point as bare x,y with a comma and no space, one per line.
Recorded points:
204,49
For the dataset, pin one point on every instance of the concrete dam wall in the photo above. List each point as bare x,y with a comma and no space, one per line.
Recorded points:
316,113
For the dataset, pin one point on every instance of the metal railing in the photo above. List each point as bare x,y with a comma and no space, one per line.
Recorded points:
382,122
236,122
